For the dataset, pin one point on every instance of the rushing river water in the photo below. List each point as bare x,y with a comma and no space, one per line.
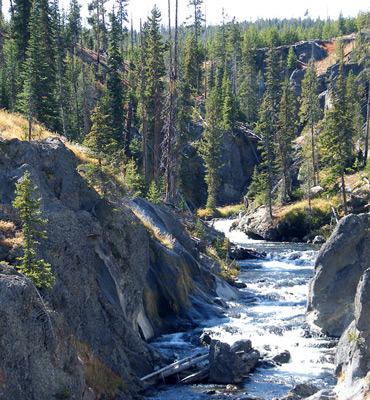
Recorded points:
271,314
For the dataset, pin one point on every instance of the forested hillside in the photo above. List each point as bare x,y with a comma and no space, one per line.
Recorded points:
271,112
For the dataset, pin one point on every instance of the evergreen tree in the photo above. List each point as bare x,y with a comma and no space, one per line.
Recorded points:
210,149
229,105
337,136
190,62
310,111
197,23
29,211
248,82
38,98
154,71
74,23
267,131
21,18
291,60
100,139
115,84
285,135
234,41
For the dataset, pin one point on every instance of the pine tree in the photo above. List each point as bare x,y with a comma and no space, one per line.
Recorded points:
285,135
29,211
115,84
100,139
267,131
197,23
291,60
154,71
21,18
310,111
74,23
229,105
337,136
248,82
234,40
38,98
190,63
210,149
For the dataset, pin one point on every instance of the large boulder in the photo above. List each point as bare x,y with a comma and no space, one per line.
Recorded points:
36,360
352,358
231,364
339,266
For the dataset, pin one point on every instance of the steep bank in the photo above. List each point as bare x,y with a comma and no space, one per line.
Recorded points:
116,285
339,302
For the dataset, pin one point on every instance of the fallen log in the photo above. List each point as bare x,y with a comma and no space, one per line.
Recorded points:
196,377
176,367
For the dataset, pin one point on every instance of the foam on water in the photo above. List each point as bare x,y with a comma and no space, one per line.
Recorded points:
272,315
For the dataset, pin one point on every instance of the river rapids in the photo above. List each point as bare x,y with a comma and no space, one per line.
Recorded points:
271,314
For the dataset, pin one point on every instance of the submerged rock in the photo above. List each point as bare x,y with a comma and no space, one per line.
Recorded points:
282,358
301,391
231,364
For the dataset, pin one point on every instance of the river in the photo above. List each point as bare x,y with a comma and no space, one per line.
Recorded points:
271,314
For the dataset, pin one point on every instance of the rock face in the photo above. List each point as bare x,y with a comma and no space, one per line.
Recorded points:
258,225
239,156
115,286
338,269
35,359
339,302
231,364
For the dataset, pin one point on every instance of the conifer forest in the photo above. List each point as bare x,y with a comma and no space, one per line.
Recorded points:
157,105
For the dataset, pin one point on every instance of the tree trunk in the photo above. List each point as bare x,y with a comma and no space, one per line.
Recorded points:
86,112
205,55
98,29
344,193
30,108
367,124
313,153
128,129
144,112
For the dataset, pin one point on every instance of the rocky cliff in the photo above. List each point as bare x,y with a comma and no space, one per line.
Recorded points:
116,285
339,302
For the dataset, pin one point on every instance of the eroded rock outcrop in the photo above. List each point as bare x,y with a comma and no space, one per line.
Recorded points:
115,285
338,269
339,303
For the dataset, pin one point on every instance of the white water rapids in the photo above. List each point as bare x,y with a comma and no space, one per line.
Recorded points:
272,315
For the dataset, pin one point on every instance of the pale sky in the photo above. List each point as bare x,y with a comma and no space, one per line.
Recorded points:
242,10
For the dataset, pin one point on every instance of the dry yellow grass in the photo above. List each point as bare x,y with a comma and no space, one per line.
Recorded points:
6,226
15,126
166,239
15,241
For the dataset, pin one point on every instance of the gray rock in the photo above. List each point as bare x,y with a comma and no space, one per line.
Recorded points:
37,361
231,364
338,268
282,358
318,239
301,391
115,286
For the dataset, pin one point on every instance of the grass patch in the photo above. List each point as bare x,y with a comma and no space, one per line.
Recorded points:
15,126
166,239
7,226
103,381
230,211
295,220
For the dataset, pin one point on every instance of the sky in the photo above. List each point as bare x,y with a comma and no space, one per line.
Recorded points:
242,10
